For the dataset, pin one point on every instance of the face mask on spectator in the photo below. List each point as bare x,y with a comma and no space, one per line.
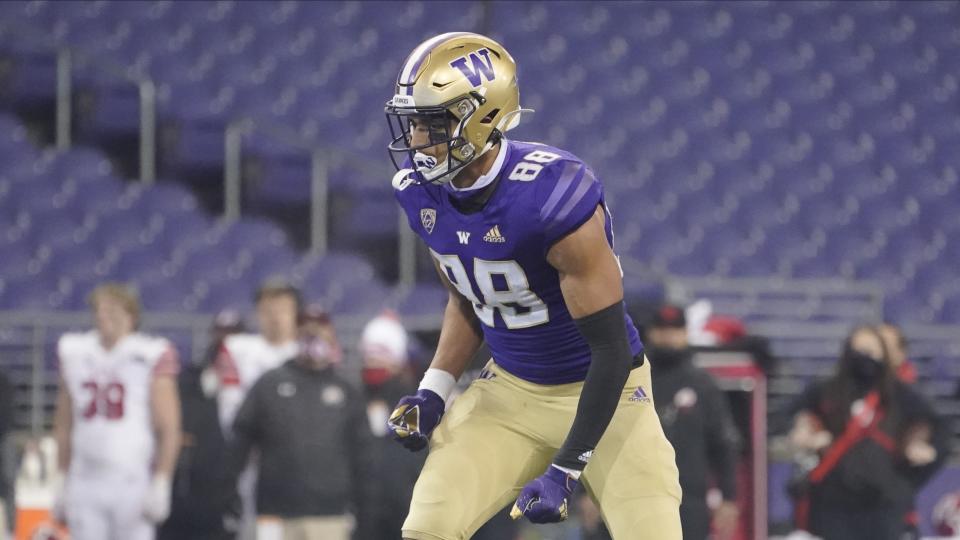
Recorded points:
374,377
864,367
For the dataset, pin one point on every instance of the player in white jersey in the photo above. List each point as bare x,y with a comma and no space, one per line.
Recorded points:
244,358
117,424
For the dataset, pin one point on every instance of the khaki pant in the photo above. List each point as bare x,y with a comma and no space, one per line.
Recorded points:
306,528
504,431
4,526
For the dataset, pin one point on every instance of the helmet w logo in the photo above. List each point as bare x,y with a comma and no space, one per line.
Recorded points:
479,68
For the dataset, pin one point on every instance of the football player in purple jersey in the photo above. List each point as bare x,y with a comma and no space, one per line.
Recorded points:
521,237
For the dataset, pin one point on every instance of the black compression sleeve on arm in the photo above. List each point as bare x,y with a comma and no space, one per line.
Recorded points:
606,333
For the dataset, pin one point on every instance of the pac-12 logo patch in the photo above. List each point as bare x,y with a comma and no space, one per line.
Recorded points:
428,218
640,396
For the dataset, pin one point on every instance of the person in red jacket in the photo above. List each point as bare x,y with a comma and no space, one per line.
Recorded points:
874,440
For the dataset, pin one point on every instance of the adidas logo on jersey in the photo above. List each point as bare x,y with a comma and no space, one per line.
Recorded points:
493,235
639,395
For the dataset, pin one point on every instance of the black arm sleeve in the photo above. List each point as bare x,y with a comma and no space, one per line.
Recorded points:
723,440
606,333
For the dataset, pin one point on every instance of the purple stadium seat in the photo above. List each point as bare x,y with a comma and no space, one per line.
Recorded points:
56,230
187,232
143,265
361,299
252,234
752,267
334,270
83,263
691,264
81,164
30,293
19,261
815,268
236,295
423,300
207,266
39,195
274,262
168,199
165,297
97,197
820,124
950,311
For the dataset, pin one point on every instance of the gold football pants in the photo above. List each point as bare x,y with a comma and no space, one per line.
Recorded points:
504,431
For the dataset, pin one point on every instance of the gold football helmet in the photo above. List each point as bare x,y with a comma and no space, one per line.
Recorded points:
463,87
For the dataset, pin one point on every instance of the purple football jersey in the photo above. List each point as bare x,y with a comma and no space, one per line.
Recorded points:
497,257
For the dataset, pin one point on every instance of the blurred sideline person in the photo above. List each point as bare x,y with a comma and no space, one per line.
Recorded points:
521,237
896,344
205,501
876,442
6,478
243,358
315,321
387,378
309,427
696,419
117,423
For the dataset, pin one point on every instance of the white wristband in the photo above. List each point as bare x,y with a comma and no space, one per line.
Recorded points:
570,472
439,382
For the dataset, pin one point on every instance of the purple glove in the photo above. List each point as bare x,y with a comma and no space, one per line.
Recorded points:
544,499
414,419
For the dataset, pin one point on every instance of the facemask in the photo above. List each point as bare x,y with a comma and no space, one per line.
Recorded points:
864,367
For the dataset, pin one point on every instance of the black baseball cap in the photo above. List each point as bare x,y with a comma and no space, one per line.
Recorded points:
669,316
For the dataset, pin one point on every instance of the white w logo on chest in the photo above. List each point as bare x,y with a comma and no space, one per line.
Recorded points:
464,236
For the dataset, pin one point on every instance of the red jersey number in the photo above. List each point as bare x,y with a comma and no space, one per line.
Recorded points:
106,400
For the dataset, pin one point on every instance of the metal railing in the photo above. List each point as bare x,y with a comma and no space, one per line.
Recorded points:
775,298
321,156
28,340
67,60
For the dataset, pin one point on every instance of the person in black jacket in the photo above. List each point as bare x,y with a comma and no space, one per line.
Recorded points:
386,378
205,504
696,419
6,481
874,442
309,426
